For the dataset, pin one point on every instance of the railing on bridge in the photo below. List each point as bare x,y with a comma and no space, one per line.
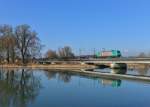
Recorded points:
100,60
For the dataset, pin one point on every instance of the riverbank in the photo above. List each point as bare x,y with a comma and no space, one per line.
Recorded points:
51,66
68,66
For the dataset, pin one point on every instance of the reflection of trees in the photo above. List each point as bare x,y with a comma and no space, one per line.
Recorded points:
66,77
63,75
50,74
18,88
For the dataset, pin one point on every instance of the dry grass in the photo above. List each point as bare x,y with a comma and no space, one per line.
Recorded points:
50,66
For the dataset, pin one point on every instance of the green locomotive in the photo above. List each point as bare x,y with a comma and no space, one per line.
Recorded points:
109,54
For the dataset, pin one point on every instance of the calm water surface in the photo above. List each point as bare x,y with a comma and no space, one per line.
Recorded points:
37,88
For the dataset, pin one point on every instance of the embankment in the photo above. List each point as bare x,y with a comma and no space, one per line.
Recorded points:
52,66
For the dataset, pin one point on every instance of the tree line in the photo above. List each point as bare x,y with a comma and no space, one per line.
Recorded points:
19,43
62,53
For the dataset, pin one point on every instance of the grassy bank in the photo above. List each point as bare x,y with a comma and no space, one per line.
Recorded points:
51,66
68,66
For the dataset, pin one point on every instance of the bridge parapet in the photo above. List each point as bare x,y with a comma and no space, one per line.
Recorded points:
118,61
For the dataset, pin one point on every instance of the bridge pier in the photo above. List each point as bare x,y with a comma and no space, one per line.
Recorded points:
82,63
118,66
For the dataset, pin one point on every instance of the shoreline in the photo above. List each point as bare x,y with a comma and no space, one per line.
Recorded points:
68,66
52,66
77,68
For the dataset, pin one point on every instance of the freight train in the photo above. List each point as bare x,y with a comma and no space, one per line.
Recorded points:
109,54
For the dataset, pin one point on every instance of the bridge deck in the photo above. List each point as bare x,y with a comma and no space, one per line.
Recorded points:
104,61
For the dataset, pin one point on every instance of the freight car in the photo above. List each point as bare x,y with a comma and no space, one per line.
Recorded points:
109,54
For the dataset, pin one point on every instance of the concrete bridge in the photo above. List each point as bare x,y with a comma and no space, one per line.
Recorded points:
116,63
102,61
119,62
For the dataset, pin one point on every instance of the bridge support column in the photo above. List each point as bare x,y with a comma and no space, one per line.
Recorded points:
118,66
82,63
53,63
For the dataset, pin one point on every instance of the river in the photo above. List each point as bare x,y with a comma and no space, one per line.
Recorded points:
47,88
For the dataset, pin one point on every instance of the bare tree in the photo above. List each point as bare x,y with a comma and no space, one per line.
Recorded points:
27,41
65,52
7,42
51,54
142,54
1,51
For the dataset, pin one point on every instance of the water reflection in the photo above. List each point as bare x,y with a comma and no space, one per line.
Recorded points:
66,77
18,88
62,76
50,75
118,71
114,82
111,82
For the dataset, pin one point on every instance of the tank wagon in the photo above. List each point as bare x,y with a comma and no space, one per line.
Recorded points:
109,54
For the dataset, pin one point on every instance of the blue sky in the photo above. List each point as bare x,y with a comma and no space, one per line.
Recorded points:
84,24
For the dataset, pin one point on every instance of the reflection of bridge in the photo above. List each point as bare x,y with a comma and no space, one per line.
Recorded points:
116,76
111,82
